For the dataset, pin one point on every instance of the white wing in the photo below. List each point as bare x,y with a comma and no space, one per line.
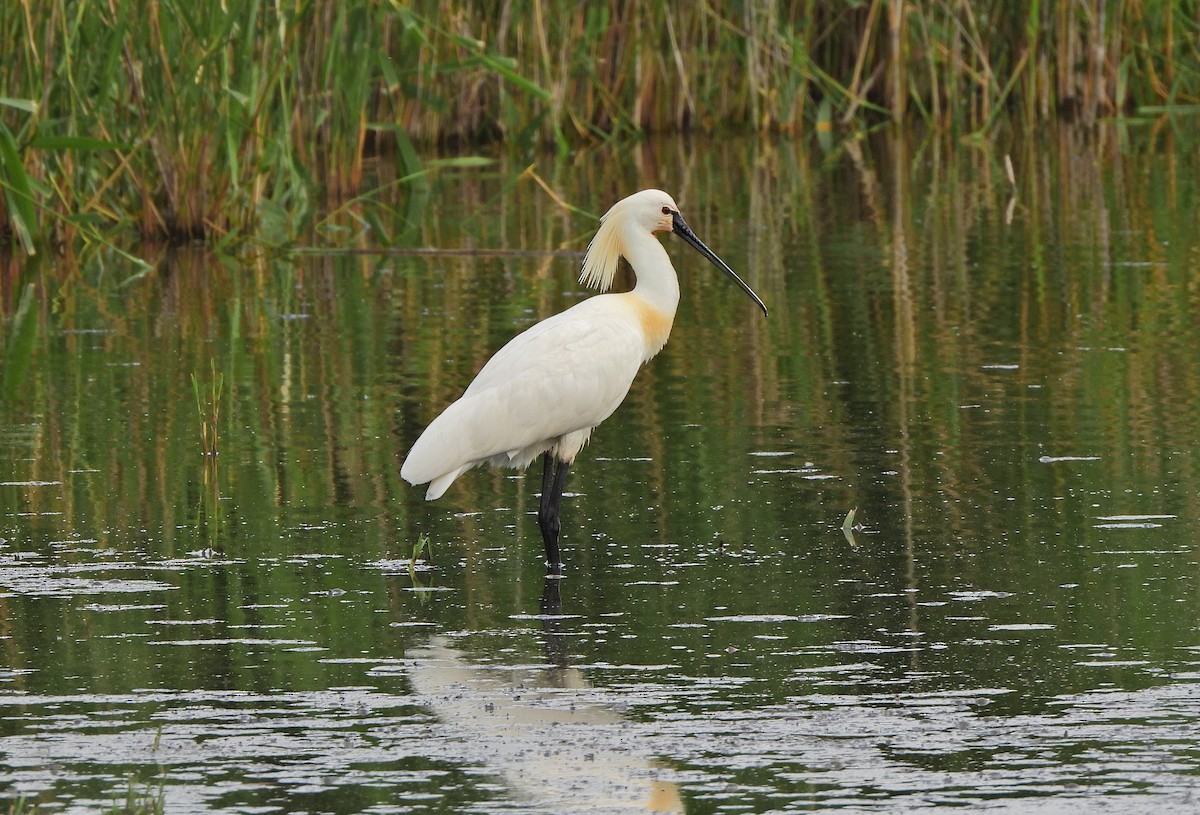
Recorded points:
566,374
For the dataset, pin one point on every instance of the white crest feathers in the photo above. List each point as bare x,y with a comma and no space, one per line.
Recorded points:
603,253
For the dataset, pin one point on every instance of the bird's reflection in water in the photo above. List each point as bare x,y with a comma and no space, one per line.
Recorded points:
554,749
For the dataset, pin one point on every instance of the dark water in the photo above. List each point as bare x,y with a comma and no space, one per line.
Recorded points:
1003,386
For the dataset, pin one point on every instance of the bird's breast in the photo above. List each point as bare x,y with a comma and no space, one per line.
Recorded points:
654,323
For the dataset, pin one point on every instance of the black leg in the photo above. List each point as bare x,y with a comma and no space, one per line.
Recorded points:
552,623
553,479
550,539
547,485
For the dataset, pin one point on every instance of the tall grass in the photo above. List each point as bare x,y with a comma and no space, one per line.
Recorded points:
612,68
189,120
207,117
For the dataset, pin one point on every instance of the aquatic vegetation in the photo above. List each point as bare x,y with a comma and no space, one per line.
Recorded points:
422,546
180,121
208,406
150,800
137,801
221,121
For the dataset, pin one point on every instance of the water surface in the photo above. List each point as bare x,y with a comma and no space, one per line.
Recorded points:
1002,384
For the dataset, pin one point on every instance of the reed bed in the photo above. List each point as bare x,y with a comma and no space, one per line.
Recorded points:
183,120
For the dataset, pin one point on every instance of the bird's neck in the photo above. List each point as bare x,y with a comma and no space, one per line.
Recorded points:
655,296
657,284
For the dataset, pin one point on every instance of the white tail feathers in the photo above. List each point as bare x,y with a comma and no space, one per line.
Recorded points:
439,485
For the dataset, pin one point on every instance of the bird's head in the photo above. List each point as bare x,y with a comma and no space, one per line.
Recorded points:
651,210
654,210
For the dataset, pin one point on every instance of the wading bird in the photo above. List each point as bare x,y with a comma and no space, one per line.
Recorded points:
546,390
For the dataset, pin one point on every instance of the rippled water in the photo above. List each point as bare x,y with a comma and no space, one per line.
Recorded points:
1004,394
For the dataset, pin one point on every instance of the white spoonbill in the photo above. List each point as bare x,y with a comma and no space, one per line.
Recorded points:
546,390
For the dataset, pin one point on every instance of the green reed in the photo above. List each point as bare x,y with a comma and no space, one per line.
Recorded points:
208,407
612,68
423,546
185,120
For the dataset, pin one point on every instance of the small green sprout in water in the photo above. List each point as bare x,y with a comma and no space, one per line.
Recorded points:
148,801
423,544
140,802
208,405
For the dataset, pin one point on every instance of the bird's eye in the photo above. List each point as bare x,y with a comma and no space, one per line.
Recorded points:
666,210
